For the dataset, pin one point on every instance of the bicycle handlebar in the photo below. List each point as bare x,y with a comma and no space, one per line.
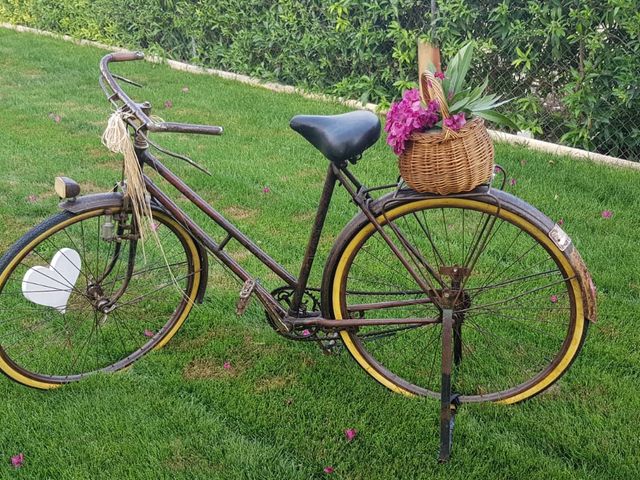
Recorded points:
136,109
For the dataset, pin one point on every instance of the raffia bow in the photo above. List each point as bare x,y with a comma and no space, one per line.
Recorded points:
117,139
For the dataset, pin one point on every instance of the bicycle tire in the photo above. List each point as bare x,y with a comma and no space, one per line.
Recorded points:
31,343
395,356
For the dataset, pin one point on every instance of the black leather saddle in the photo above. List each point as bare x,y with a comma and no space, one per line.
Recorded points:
339,137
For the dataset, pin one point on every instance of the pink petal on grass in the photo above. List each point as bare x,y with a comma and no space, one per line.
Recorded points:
17,460
554,299
226,365
168,104
560,222
607,214
513,182
350,434
148,333
55,117
266,190
32,198
328,469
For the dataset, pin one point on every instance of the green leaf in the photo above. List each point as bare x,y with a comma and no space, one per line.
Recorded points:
460,95
459,105
457,70
498,118
431,67
484,103
478,91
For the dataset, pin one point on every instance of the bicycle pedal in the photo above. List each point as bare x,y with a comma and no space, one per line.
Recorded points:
329,346
245,296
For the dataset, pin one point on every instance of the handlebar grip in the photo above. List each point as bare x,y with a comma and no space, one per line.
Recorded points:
124,56
184,128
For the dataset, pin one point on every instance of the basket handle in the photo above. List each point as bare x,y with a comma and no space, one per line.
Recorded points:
432,90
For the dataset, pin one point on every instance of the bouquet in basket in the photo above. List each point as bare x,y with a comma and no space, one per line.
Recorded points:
438,131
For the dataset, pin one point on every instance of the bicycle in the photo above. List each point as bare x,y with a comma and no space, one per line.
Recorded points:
464,298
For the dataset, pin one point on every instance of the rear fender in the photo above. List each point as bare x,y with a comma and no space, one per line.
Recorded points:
518,206
114,200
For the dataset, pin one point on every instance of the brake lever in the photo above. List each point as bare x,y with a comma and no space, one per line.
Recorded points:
126,80
184,158
110,96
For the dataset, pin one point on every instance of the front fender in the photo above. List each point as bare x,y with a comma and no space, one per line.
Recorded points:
91,201
114,200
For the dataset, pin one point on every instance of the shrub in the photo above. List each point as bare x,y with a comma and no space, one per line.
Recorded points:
571,64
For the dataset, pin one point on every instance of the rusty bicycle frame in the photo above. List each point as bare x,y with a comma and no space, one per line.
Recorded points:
286,319
295,318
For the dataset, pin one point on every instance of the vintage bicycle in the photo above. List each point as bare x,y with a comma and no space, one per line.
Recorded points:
465,298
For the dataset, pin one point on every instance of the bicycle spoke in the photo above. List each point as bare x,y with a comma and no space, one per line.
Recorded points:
500,302
53,347
512,308
138,299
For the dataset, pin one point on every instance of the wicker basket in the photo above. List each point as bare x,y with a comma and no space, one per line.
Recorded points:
445,161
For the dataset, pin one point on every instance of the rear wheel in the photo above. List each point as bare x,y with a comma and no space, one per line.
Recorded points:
74,300
515,297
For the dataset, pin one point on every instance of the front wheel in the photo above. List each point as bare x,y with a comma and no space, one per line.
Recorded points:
516,299
80,293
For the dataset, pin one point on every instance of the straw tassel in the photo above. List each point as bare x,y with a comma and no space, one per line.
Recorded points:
117,139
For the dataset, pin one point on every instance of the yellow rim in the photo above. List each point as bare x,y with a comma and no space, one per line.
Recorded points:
353,245
19,377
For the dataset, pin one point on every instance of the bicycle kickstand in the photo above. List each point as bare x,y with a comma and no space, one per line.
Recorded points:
448,402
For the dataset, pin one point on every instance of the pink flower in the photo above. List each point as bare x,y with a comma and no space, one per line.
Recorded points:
226,365
560,222
148,333
607,214
306,332
554,299
155,226
350,434
408,116
455,122
55,117
17,460
32,198
512,182
168,104
328,470
266,190
439,75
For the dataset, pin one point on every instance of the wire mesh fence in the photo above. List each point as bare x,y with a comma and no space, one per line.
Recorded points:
572,67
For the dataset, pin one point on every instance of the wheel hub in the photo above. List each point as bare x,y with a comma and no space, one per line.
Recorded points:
99,301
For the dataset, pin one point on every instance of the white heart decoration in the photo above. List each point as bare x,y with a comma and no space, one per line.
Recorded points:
52,286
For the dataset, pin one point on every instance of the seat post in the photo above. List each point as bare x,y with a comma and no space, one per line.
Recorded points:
314,239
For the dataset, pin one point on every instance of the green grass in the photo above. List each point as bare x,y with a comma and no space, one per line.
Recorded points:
282,410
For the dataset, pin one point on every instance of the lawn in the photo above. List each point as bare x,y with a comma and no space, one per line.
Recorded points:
281,410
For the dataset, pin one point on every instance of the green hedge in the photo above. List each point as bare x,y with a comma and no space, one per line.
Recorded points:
573,65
